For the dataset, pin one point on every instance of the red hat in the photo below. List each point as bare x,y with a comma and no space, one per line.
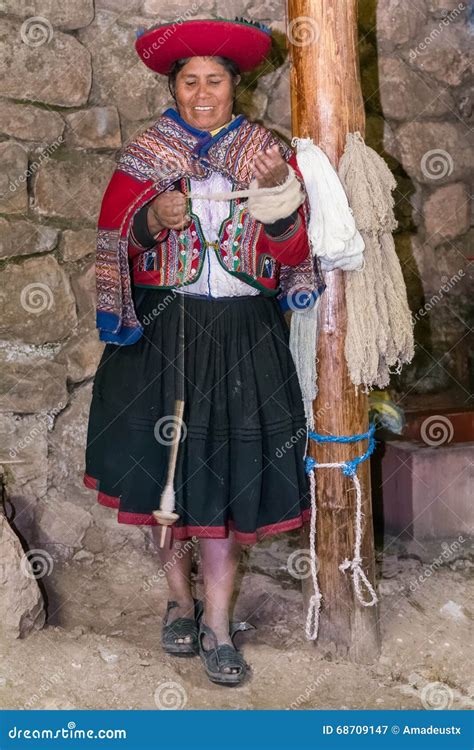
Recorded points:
245,42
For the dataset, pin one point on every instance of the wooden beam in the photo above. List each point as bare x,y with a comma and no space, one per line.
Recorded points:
326,103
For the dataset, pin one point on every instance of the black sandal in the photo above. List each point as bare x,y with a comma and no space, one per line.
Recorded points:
180,628
222,655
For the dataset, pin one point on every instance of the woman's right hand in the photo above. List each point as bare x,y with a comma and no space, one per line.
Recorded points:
168,210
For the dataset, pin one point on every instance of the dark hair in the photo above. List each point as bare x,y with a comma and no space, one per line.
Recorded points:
229,65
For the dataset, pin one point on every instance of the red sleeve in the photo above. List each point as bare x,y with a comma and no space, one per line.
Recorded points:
292,247
122,191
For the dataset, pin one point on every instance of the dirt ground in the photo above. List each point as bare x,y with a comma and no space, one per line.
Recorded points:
100,649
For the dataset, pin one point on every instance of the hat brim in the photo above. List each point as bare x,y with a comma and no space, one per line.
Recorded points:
161,46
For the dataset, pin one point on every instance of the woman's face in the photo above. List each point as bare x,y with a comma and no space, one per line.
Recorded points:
204,93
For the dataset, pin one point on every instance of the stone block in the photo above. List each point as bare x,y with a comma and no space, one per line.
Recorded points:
98,127
435,152
13,178
25,389
84,285
446,213
81,355
25,238
398,21
36,301
42,64
30,123
406,94
76,245
73,189
119,74
21,602
67,15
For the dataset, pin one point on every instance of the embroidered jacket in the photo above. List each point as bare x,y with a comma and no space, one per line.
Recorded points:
245,248
169,153
213,280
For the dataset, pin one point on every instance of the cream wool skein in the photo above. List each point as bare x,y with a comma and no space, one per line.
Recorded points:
379,338
265,204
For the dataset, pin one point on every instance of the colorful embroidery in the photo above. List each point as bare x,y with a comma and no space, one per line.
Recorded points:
163,154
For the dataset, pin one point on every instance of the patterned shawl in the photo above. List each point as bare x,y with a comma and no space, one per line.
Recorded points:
167,151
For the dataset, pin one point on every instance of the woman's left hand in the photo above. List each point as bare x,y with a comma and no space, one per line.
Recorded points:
270,168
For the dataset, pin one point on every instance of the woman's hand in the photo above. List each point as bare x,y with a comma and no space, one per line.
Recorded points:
168,210
270,168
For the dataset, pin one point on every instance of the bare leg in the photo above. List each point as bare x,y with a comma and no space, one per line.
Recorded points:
176,560
220,558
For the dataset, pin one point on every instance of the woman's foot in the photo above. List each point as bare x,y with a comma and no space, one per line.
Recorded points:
179,610
220,628
179,635
223,663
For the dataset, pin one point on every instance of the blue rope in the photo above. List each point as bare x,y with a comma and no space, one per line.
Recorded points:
349,468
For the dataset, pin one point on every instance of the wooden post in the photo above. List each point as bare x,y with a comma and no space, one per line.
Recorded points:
326,103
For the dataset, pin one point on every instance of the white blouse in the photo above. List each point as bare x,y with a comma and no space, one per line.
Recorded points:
214,280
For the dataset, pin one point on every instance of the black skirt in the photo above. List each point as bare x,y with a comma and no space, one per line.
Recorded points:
240,463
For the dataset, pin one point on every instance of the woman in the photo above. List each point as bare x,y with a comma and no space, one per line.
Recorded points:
215,267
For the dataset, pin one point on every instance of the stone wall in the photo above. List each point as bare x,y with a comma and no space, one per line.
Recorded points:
73,92
418,93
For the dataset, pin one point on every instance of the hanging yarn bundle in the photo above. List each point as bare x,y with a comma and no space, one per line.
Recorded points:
332,231
352,214
379,331
379,337
304,333
334,238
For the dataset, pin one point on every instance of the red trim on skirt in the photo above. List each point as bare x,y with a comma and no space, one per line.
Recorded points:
206,532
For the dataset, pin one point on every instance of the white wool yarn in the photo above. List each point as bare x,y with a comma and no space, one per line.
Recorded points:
269,207
332,231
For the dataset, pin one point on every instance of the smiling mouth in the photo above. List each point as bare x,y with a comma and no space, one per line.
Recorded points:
203,109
